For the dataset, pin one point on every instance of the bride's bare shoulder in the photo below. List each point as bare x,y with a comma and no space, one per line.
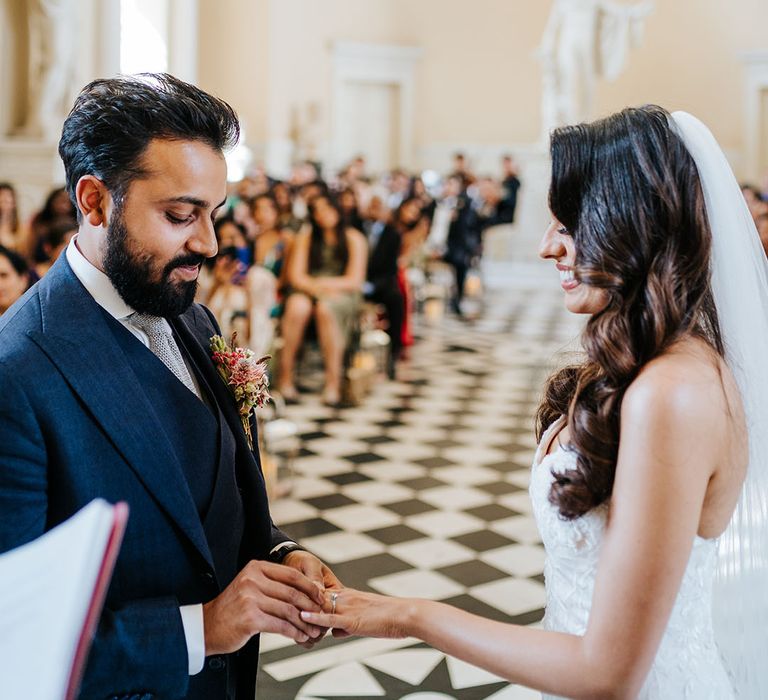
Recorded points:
688,384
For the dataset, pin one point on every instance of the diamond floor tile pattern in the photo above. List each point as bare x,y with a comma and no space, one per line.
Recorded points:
422,491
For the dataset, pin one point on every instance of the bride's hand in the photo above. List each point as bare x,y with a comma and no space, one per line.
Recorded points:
363,614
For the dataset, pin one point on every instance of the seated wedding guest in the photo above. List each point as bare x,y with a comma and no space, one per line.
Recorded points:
55,242
231,234
245,189
399,185
382,285
14,277
462,170
350,210
109,388
243,298
281,191
753,198
222,280
354,172
10,230
758,208
326,272
57,205
307,191
494,204
241,213
412,223
644,445
419,191
261,180
266,279
303,173
272,241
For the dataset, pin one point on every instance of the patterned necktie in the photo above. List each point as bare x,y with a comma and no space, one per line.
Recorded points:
161,343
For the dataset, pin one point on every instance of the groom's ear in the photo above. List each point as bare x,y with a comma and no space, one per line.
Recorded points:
93,199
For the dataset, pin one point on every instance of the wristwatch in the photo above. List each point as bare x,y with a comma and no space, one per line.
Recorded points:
283,550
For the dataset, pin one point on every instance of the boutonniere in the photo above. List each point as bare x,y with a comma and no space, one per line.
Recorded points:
245,376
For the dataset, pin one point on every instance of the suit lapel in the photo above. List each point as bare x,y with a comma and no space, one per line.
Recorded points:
195,338
77,338
200,355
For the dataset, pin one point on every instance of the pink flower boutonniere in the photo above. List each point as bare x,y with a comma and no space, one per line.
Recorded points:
245,376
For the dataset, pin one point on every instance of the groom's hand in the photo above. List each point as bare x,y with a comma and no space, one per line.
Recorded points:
316,571
263,597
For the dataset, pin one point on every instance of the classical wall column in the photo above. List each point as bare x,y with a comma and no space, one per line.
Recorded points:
28,148
28,155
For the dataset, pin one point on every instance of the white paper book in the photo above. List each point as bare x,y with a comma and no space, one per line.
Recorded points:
51,593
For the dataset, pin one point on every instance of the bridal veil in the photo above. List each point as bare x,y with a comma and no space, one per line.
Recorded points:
740,287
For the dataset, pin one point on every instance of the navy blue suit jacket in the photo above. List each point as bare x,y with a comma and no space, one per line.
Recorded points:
75,425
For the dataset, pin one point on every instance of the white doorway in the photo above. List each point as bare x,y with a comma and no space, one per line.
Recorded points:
756,116
369,116
372,105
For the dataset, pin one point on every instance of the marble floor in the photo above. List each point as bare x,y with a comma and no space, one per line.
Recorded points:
422,491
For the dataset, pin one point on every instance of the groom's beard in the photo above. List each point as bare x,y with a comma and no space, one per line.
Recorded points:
137,279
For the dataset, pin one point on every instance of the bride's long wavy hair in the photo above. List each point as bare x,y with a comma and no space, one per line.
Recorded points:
628,191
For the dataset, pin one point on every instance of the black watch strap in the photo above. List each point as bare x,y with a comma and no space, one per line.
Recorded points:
283,550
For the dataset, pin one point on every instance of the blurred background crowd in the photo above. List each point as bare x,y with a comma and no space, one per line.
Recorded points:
315,260
757,201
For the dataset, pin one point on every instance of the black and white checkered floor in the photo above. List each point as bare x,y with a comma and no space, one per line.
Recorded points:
422,491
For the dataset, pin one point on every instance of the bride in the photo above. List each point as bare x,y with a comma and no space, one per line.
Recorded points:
643,447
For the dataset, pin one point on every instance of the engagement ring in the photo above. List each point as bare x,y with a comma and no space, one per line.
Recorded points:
334,598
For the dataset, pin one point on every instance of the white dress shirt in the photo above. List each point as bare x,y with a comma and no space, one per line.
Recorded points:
99,286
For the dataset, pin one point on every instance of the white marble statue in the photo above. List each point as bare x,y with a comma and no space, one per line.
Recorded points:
52,35
584,40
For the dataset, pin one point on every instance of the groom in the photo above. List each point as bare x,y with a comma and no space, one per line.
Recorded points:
107,389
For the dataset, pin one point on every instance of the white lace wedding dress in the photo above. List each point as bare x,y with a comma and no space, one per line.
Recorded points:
687,664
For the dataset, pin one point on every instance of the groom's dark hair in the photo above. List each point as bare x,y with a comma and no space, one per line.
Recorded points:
113,121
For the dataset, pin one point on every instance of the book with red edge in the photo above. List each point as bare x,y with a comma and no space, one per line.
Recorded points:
51,595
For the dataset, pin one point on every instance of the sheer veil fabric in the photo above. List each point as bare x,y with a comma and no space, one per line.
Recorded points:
740,287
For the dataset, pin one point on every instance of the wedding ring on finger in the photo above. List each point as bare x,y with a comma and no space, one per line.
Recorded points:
334,598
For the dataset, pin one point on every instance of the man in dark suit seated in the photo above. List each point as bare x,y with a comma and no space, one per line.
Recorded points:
108,389
381,285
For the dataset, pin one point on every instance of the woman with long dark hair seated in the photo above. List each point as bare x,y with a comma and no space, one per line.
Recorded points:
326,271
14,277
644,445
223,282
10,229
267,278
57,206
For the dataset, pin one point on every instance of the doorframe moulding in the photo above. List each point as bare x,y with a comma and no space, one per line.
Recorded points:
755,83
378,64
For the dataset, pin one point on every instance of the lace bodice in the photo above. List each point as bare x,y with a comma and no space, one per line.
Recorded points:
687,664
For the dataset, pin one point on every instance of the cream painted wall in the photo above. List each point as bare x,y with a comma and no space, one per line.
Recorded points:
478,82
690,60
479,78
233,58
302,33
